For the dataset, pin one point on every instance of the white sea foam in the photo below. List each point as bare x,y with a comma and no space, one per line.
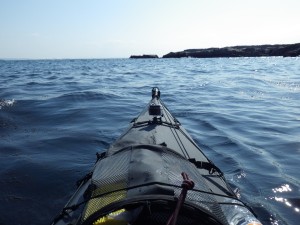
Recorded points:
6,103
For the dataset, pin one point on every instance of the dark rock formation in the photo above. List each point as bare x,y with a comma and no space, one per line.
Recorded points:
143,56
287,50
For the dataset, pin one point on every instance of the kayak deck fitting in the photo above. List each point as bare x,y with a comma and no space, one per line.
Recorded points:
154,173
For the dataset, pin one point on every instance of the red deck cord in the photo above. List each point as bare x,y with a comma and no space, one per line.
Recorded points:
186,185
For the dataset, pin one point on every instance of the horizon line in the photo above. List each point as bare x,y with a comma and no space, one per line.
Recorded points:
94,58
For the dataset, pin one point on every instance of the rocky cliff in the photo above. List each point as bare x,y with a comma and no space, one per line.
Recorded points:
286,50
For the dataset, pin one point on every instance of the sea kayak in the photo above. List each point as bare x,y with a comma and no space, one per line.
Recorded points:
154,173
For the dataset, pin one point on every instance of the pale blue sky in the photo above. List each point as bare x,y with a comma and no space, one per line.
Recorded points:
119,28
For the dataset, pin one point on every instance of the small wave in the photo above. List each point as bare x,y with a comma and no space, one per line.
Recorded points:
32,83
7,103
86,95
52,77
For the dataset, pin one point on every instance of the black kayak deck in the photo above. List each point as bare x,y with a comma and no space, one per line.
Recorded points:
144,169
163,129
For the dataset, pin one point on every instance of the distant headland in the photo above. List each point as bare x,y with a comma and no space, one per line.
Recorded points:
285,50
144,56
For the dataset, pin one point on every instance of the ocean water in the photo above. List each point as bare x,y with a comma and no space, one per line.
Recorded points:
55,115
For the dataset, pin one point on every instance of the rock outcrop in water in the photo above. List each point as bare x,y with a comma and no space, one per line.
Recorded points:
143,56
285,50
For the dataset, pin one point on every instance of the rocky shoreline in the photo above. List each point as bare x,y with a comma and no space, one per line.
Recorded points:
288,50
285,50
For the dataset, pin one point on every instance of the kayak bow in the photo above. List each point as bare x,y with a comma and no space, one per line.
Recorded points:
154,173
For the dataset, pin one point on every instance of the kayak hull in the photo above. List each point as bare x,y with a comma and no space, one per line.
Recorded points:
142,173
